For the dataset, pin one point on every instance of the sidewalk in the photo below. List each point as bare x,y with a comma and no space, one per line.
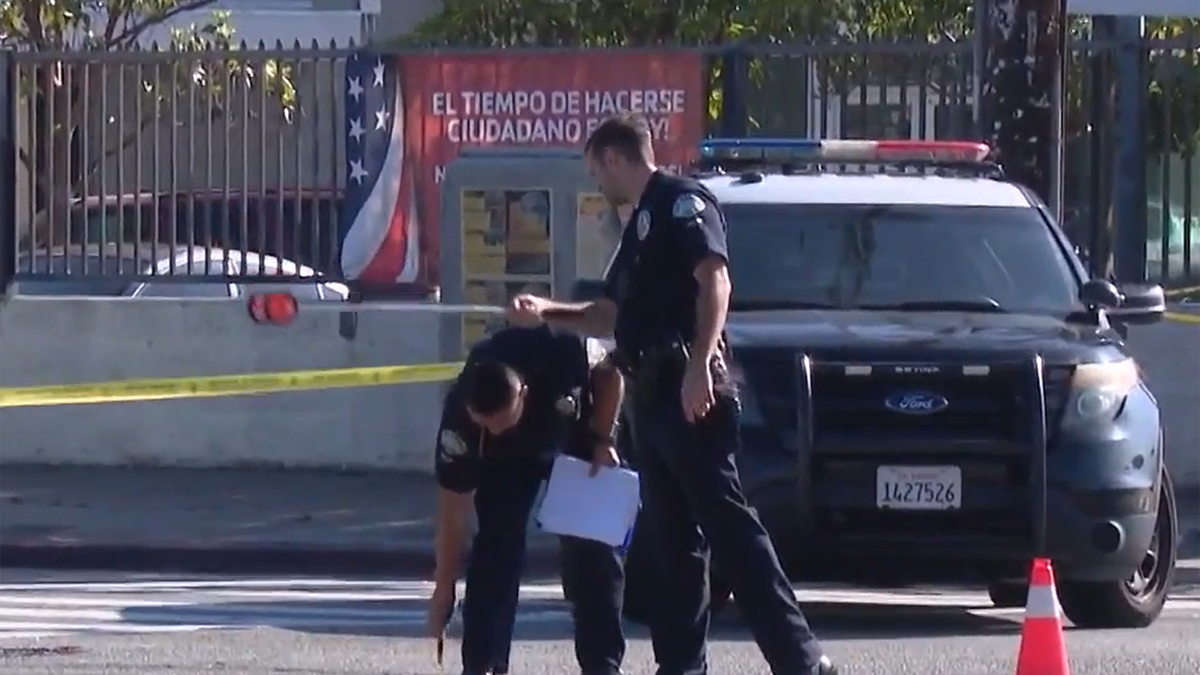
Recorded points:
244,521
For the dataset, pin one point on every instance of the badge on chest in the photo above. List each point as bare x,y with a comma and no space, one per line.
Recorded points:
568,406
643,224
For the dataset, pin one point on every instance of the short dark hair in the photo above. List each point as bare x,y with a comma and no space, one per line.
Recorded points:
627,135
489,386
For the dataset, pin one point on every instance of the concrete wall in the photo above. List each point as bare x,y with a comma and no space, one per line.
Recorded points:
1169,353
76,340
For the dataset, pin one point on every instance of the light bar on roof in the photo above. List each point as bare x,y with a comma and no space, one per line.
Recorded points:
781,150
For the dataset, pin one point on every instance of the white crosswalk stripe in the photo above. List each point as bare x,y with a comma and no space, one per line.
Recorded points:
35,609
41,610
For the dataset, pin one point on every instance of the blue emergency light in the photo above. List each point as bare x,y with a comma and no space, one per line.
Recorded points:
802,150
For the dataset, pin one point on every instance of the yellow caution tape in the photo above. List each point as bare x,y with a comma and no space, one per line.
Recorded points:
1180,292
166,388
160,389
1182,318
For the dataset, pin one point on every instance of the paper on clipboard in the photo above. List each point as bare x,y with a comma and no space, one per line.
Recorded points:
602,508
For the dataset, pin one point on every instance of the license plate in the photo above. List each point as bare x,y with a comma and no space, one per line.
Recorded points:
918,488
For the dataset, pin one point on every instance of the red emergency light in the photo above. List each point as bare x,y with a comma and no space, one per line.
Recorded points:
780,150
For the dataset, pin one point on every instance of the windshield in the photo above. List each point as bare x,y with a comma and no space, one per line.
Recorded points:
907,257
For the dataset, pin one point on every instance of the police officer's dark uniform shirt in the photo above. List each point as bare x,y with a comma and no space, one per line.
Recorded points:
555,368
676,225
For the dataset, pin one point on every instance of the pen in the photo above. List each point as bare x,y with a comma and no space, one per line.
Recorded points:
440,648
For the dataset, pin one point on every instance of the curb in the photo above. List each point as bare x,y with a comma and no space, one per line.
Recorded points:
293,560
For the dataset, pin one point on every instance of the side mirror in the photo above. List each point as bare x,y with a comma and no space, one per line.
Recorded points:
587,289
1100,294
1141,304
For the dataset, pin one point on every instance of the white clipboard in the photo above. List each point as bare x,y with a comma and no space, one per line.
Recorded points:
601,508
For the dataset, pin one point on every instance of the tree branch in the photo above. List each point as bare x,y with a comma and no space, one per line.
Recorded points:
126,37
115,14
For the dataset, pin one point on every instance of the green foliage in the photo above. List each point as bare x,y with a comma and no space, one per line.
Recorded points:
601,23
813,24
598,23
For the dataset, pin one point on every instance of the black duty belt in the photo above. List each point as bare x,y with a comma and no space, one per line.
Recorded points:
641,362
657,369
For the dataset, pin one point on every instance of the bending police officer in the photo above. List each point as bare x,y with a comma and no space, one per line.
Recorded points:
524,394
666,300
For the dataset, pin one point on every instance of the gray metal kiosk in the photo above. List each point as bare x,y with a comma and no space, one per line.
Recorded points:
516,220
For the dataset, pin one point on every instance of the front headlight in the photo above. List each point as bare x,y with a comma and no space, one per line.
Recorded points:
1098,392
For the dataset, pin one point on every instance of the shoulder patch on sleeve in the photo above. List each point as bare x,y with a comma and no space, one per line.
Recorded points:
687,206
451,444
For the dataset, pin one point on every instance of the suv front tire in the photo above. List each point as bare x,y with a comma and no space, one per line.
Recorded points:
1137,601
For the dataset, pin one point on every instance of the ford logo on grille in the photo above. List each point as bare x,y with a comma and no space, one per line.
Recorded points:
916,403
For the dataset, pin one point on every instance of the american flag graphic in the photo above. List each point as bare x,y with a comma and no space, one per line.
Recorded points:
381,243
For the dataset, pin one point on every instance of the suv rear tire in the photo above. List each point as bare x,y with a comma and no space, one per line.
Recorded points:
1135,602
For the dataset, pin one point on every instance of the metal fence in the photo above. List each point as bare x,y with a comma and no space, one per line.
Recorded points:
126,157
906,91
887,90
1164,127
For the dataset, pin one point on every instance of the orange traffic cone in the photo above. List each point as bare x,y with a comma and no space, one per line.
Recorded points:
1043,650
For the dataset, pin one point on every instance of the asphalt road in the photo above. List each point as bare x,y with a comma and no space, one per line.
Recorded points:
60,623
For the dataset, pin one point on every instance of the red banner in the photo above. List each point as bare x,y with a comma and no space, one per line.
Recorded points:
531,99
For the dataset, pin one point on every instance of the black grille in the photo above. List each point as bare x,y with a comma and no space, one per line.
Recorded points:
849,402
983,407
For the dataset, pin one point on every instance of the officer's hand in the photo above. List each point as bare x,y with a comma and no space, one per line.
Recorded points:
603,455
697,391
525,309
441,606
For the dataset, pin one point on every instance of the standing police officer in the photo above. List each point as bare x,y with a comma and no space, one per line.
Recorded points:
524,394
666,299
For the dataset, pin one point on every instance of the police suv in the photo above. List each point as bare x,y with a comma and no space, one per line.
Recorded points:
934,390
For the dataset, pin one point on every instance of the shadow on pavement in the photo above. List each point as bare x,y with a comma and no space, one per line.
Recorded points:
846,620
544,619
364,618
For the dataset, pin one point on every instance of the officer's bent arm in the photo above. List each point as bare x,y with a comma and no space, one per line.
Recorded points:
712,306
597,318
608,389
456,467
450,538
706,249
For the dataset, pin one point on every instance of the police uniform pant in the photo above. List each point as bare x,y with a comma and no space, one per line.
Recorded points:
693,501
592,578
